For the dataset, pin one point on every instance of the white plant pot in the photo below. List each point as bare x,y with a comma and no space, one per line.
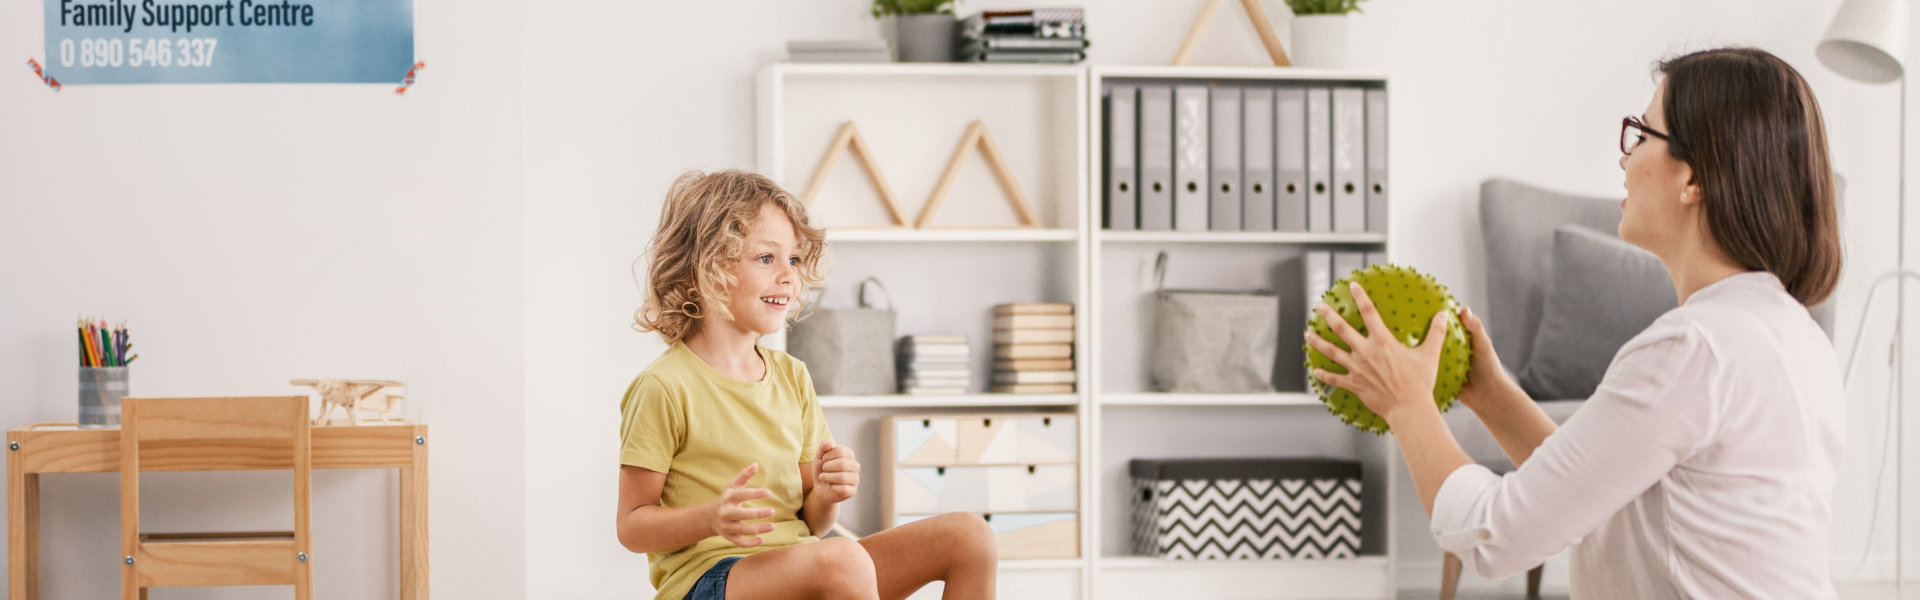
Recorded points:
1319,41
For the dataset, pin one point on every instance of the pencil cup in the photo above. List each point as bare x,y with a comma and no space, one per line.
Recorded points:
101,389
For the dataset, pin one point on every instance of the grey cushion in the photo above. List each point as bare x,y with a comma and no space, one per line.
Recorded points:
1604,292
1517,222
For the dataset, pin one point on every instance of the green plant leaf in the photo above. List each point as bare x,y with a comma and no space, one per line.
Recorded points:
1323,7
883,8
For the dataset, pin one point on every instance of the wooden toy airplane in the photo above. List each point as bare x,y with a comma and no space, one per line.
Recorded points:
355,395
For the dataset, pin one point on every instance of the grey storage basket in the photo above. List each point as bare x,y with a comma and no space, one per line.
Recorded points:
1212,342
848,351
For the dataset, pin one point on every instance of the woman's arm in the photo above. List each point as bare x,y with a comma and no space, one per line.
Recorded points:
644,526
1513,417
1653,409
1396,382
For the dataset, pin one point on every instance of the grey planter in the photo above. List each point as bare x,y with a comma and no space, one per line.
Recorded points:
921,38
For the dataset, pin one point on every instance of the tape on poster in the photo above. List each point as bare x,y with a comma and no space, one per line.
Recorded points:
402,90
50,81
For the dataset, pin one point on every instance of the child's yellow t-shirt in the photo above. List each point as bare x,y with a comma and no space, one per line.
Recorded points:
683,418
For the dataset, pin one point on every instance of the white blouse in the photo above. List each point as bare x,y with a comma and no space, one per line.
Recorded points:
1702,467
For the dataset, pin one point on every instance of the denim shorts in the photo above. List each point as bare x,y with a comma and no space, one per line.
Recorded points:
713,584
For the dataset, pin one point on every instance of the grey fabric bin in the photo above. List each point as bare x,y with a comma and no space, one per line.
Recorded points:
848,351
1212,342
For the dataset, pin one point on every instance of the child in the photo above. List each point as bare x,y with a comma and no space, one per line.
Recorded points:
728,472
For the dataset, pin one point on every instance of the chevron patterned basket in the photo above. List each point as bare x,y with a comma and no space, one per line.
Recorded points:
1246,508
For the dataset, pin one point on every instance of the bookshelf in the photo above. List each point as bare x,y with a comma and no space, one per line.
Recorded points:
1047,121
946,278
1131,421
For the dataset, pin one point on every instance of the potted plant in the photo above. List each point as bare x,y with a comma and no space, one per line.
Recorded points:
1320,32
918,30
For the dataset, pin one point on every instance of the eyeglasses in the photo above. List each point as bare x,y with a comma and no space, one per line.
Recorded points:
1633,132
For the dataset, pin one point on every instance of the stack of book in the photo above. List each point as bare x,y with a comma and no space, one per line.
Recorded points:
1045,35
1033,348
838,51
931,365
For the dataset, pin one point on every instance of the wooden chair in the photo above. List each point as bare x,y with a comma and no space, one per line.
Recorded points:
206,434
1450,578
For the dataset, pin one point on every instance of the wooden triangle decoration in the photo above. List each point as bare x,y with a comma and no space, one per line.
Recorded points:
1255,13
849,137
977,136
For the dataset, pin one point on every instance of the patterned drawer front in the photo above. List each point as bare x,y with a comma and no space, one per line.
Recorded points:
1253,518
925,441
939,489
986,440
1046,439
1032,488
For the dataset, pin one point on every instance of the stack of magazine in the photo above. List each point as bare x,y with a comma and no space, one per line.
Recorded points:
1041,35
1033,348
934,365
837,51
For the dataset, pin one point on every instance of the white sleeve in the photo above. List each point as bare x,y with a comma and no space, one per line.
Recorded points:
1654,408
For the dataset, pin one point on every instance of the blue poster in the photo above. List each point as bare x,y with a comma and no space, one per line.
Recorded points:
229,41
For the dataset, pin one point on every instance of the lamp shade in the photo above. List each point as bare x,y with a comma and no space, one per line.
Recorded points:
1867,40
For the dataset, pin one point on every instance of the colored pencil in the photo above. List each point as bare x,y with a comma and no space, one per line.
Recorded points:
106,350
102,345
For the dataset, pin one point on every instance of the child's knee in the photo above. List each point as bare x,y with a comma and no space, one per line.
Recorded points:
971,534
843,569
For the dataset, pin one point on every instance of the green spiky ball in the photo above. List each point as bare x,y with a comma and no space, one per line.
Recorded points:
1407,300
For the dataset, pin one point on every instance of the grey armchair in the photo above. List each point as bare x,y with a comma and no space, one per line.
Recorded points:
1517,223
1616,290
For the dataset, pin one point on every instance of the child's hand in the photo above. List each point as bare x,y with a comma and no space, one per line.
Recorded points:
837,474
729,519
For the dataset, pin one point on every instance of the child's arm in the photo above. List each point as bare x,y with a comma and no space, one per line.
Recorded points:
839,473
645,526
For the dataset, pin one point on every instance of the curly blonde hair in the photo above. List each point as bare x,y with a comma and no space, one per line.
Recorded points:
703,229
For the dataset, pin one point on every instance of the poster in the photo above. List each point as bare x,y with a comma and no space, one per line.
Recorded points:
229,41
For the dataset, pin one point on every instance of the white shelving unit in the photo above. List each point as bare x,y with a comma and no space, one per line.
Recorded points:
946,278
1046,120
1130,421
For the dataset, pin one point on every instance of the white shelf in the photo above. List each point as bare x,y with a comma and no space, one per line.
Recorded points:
1042,564
926,70
1166,399
1238,237
935,235
1258,73
1143,578
1150,563
961,401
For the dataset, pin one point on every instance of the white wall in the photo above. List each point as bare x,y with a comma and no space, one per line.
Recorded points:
475,237
620,103
251,234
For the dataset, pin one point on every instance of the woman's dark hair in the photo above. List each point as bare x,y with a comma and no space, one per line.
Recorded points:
1750,128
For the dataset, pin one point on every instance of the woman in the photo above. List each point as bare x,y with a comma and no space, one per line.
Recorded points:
1703,466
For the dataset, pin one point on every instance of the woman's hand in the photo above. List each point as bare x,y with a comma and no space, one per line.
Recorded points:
1385,373
730,519
838,477
1485,377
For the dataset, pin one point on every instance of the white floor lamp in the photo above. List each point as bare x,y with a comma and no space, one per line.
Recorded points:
1867,42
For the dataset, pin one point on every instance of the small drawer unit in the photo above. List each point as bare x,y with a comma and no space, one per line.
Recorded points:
1246,508
1018,471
